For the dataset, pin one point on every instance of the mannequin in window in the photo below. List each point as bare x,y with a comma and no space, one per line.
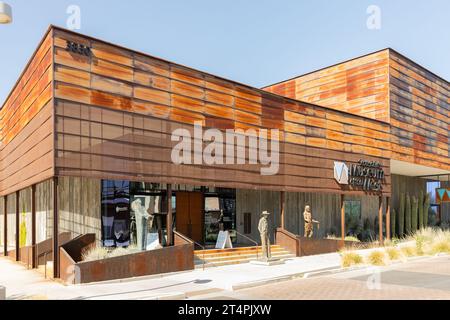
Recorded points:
142,217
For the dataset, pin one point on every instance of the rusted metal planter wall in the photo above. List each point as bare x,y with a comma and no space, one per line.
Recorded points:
168,259
288,241
42,248
301,246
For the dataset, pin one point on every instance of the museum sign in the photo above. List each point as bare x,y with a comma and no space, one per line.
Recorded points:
365,175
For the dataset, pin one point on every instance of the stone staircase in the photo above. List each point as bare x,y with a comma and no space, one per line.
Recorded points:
223,257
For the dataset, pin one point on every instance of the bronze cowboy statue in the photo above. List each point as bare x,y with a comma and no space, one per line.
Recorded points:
263,228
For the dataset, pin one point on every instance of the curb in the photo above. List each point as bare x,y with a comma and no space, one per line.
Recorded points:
167,296
332,271
148,277
257,283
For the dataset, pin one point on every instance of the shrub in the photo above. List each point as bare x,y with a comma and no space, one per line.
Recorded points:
98,253
393,253
347,238
420,241
442,246
408,251
95,253
377,258
349,259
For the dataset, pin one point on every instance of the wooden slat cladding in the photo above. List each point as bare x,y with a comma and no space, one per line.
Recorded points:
131,89
26,125
359,86
420,114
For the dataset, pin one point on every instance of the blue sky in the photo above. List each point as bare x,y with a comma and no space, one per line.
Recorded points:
257,42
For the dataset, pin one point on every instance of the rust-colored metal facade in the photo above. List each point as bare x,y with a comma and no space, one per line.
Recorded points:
108,113
391,88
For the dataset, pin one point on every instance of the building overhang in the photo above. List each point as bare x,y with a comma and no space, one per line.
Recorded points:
416,170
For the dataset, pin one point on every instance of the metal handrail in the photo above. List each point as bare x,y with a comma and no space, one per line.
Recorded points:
251,240
45,253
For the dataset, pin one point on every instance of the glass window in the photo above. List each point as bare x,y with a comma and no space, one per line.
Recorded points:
134,213
115,213
220,213
352,217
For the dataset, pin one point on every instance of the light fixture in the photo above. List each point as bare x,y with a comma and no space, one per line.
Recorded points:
5,13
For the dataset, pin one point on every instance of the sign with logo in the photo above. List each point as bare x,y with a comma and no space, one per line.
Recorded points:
365,175
341,172
442,195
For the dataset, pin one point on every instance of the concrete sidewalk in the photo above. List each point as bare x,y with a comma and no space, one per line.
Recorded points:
21,283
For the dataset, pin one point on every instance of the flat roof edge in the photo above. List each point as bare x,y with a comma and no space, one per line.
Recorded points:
356,58
246,86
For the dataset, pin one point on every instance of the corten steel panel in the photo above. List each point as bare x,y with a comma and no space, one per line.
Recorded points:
137,154
417,104
26,125
76,247
359,86
165,260
420,110
148,98
288,241
28,158
310,246
116,109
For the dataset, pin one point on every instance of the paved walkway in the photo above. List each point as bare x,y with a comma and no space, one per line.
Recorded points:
425,278
29,284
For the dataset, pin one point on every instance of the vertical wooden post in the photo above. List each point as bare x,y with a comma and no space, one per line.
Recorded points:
5,226
55,229
33,226
342,219
282,209
388,218
380,220
169,217
17,226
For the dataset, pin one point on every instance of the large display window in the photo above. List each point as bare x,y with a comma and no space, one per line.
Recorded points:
133,214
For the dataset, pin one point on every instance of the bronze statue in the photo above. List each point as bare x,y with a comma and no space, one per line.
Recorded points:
263,228
309,222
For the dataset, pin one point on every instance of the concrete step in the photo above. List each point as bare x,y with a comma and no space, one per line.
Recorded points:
209,264
253,255
208,255
233,250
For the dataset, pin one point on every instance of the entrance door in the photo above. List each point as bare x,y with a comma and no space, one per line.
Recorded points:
189,211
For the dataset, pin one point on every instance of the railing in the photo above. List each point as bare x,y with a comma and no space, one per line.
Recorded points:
45,254
250,239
